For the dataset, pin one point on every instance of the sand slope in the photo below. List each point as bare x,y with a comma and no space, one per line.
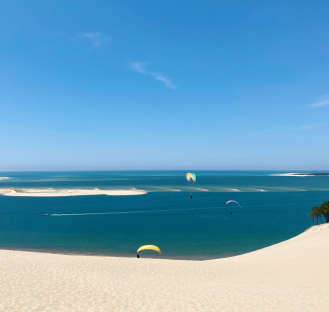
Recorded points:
290,276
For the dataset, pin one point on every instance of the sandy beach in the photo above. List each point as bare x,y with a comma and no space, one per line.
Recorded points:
290,276
67,192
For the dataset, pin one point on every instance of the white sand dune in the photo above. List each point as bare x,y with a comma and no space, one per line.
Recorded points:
68,192
290,276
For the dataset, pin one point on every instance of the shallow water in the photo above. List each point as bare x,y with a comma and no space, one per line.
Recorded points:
200,228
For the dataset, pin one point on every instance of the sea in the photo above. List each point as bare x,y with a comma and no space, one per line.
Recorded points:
273,209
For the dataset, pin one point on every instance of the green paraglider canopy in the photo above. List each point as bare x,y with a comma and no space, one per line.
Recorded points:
190,176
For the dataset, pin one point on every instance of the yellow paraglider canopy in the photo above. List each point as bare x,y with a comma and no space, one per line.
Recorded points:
149,247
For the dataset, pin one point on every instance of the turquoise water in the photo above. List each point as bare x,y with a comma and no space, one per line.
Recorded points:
274,208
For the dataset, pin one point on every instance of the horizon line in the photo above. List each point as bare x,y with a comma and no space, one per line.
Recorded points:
184,169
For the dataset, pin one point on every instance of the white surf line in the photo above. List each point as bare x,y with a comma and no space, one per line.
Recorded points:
131,212
124,212
168,189
152,211
199,188
172,190
230,189
4,178
286,188
259,190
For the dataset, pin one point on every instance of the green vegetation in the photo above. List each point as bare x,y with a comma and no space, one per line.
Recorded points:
318,212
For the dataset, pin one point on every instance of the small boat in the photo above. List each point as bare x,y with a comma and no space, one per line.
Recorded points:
47,214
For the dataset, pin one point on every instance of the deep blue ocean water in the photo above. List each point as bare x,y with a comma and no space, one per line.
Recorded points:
203,227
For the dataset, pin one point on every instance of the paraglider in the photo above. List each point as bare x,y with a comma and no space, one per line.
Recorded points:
233,201
148,247
190,176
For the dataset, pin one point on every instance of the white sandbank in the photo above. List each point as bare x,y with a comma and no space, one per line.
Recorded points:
68,192
4,178
225,189
293,175
290,276
198,189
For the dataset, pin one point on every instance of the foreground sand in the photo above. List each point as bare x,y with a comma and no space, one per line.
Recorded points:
68,192
290,276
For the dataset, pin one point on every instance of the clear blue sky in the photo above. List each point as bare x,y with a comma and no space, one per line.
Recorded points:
164,84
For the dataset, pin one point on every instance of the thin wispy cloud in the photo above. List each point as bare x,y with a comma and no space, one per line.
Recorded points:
311,126
304,127
322,102
97,39
140,67
92,39
168,83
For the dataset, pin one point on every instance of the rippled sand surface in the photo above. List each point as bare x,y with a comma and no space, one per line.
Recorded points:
290,276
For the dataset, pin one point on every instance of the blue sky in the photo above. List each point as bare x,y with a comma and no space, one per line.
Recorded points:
164,85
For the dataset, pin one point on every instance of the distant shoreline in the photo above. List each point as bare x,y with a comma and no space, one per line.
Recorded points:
50,192
314,174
